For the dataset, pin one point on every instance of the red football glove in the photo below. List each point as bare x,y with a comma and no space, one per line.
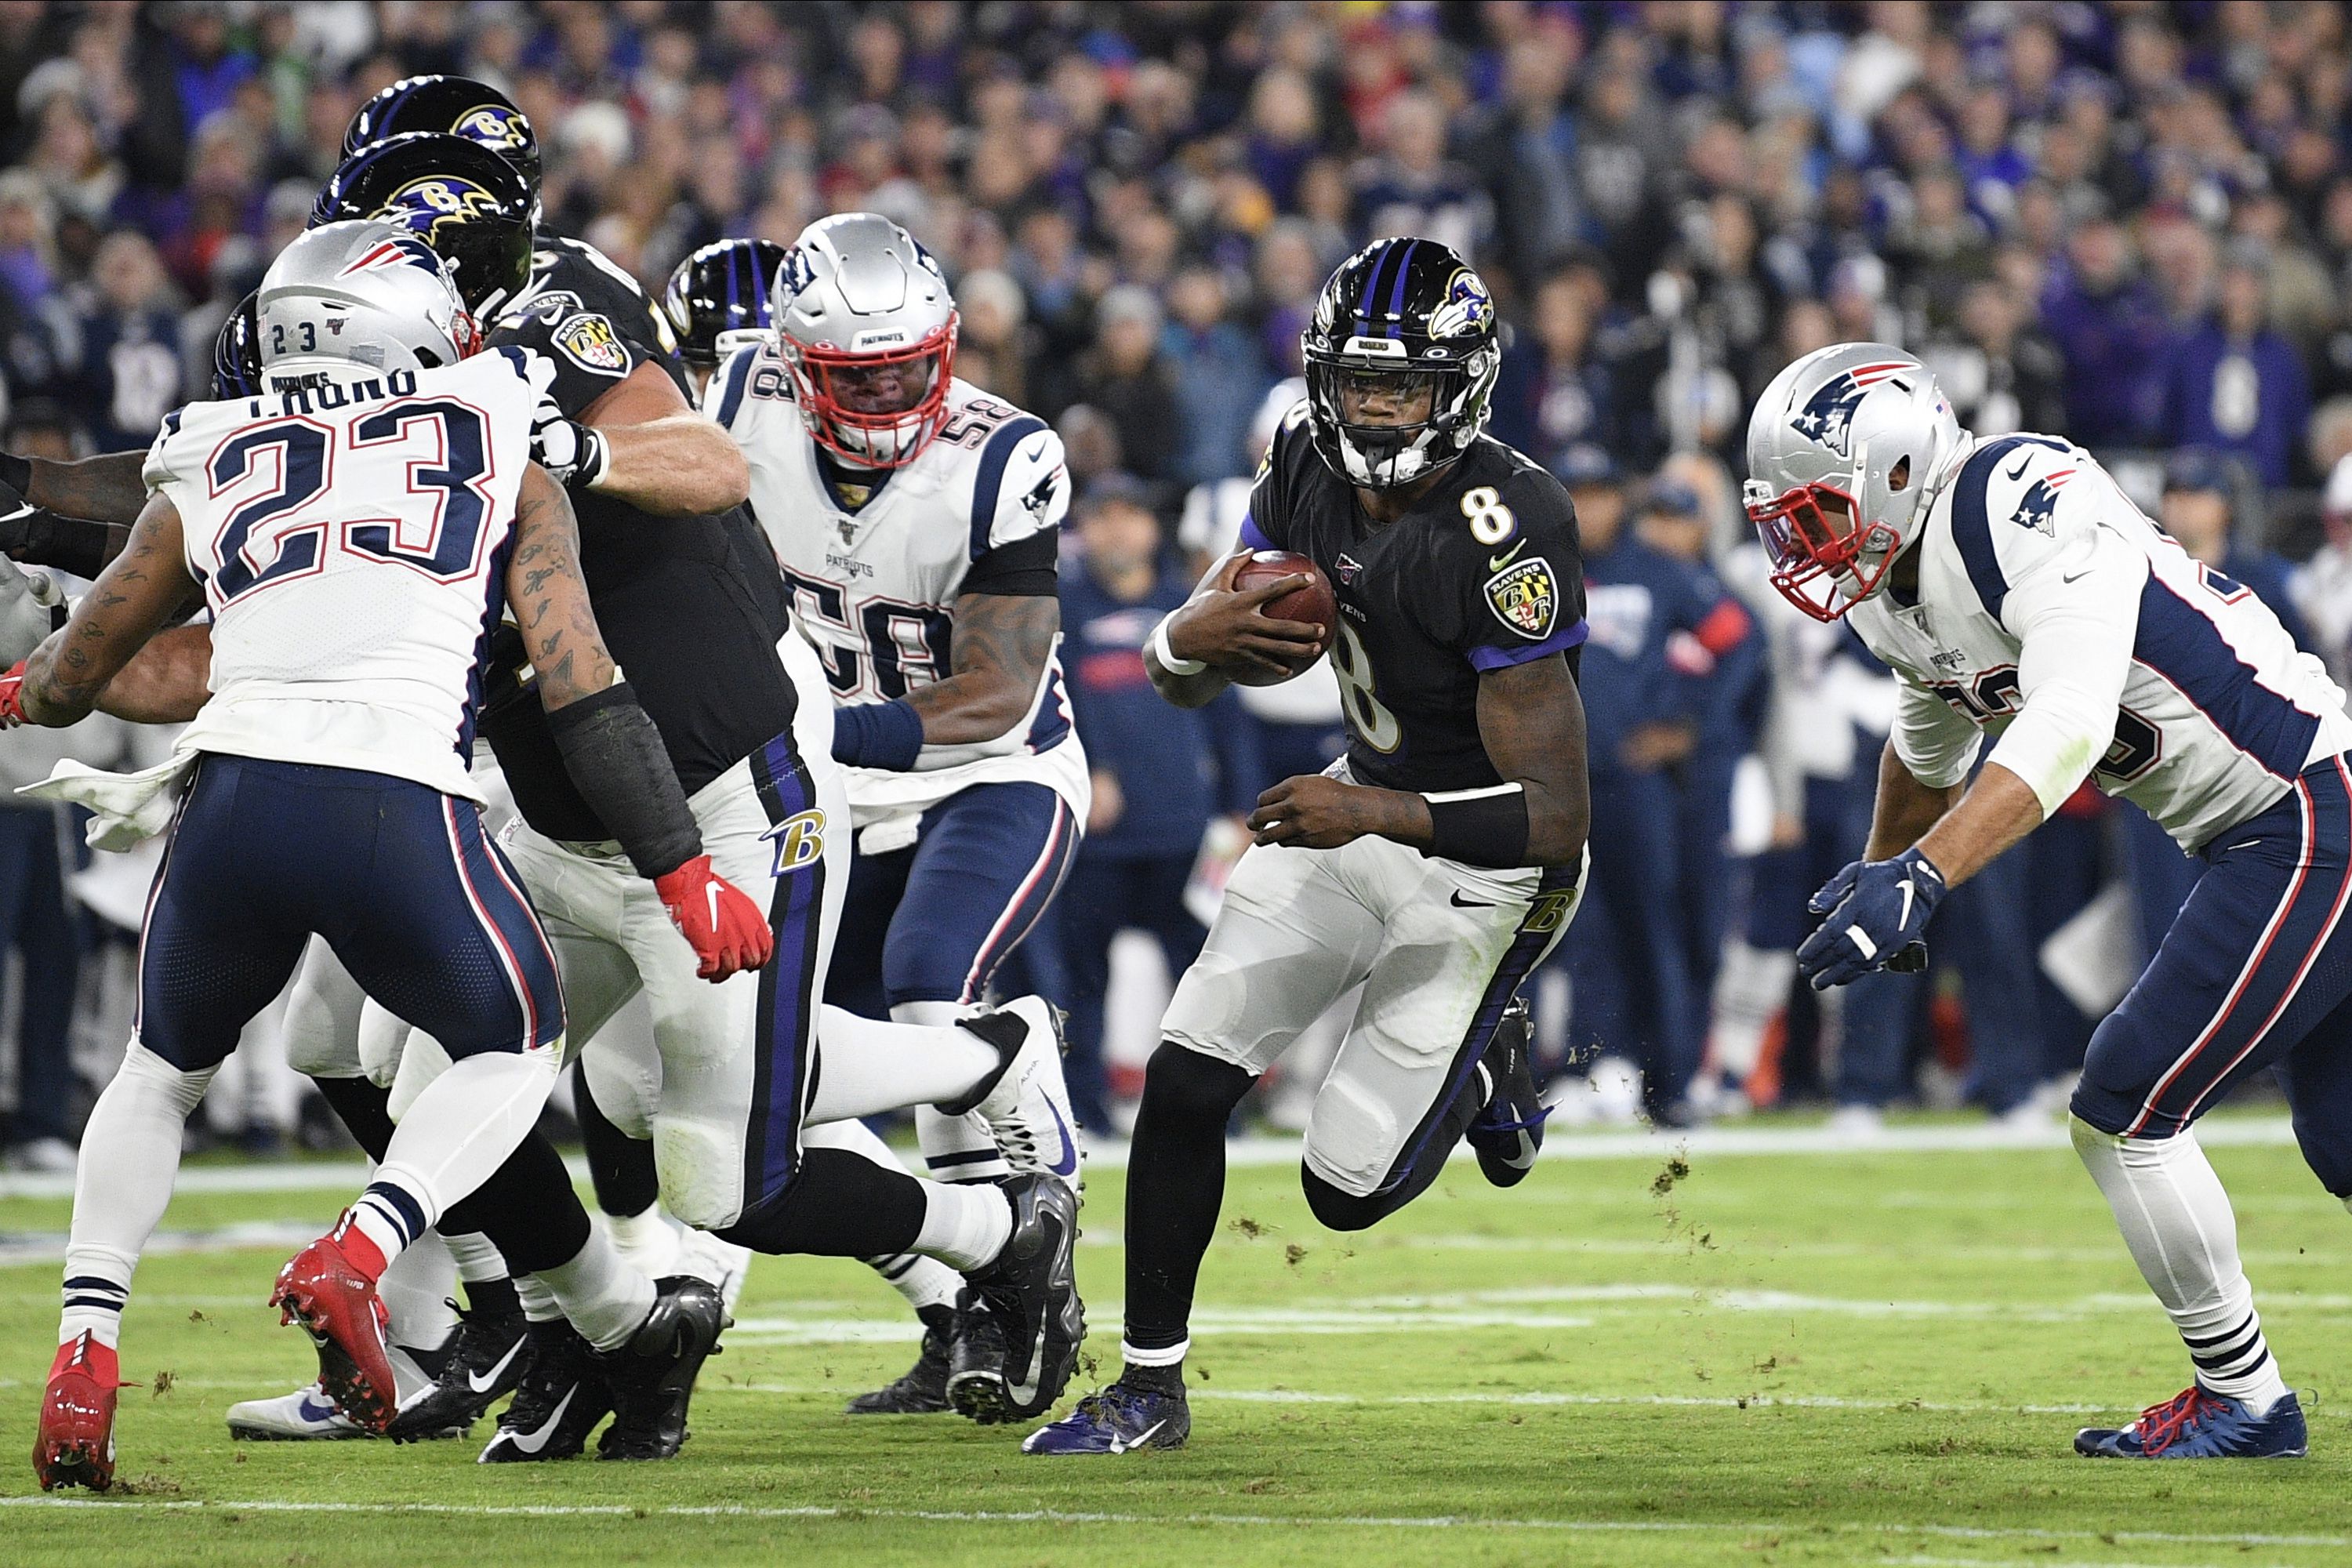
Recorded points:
12,696
727,928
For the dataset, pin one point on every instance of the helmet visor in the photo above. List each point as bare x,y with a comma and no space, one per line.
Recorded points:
879,410
1823,561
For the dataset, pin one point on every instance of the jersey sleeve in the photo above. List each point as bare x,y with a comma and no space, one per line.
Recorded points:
1021,485
158,467
1268,522
590,355
1525,588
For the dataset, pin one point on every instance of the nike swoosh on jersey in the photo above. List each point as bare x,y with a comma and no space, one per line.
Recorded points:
481,1382
1119,1446
1459,902
532,1442
2019,472
1037,451
1496,562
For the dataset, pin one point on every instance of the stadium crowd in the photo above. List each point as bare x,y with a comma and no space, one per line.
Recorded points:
2130,224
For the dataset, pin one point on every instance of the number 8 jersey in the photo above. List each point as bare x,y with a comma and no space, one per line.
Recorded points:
873,576
2054,616
352,542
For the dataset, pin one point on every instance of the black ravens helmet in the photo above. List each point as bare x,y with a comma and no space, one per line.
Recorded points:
718,297
454,106
236,354
1400,318
462,199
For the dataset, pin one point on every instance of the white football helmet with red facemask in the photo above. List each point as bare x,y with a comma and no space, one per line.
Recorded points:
1826,445
868,328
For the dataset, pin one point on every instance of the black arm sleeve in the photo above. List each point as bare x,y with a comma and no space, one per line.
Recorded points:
40,537
616,762
1022,569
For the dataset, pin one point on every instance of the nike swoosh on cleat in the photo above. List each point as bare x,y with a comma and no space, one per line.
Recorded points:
481,1384
1120,1445
316,1410
532,1442
1068,1165
1023,1392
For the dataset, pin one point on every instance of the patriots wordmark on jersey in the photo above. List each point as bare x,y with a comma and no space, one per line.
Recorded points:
2037,573
873,576
1481,573
351,543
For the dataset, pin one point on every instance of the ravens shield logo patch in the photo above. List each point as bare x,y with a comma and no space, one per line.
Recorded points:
1524,598
588,341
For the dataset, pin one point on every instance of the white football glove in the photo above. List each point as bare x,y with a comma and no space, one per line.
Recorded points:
25,600
575,453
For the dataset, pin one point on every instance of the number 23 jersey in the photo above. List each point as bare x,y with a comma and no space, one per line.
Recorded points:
352,544
1483,572
874,588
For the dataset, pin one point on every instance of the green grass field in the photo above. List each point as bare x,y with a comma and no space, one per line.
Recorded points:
1766,1358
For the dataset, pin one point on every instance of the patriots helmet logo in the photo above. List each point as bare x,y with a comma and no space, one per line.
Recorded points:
1827,416
1467,306
404,251
492,125
2039,509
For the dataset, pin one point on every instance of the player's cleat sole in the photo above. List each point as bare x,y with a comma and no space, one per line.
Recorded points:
338,1307
2198,1425
74,1444
1120,1419
1507,1132
651,1378
1026,1102
923,1390
484,1366
1014,1351
560,1401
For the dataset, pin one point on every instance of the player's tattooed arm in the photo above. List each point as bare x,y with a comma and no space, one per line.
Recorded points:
665,459
138,593
108,488
1001,644
166,682
550,595
1228,629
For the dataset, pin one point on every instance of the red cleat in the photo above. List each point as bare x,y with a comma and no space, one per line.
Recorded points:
75,1444
336,1303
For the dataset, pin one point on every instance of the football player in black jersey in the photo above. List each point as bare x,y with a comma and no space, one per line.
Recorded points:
1435,865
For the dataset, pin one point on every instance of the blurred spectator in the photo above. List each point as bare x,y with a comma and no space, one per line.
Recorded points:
1161,773
122,362
1125,376
2237,384
2109,328
2001,375
38,846
1216,373
1554,396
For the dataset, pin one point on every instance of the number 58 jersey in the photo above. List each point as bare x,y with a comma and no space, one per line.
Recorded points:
873,577
352,544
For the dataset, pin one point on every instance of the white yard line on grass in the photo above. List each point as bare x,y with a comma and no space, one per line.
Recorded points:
1239,1520
1963,1138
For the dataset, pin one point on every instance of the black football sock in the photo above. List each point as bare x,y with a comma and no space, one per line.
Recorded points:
527,1208
621,1168
839,1204
492,1298
1175,1185
363,1110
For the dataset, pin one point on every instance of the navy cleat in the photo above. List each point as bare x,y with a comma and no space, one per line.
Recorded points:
1509,1129
1119,1419
2198,1425
1016,1346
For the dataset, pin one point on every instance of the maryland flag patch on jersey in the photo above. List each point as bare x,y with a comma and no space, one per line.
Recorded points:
590,343
1525,598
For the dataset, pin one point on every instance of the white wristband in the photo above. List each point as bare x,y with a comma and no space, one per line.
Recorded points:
1168,660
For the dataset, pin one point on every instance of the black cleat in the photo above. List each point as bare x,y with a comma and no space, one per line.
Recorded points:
482,1367
652,1376
1015,1349
1509,1129
558,1402
923,1390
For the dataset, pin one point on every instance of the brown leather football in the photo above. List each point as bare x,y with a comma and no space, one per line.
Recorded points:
1315,603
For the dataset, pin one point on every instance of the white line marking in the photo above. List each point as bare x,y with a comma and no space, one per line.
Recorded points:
1246,1520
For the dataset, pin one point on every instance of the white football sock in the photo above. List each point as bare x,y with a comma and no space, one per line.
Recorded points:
871,1067
604,1298
923,1281
963,1226
456,1131
416,1290
1750,989
955,1148
130,1154
478,1257
2177,1221
538,1304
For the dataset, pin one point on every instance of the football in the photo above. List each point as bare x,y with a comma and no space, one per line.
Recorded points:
1316,602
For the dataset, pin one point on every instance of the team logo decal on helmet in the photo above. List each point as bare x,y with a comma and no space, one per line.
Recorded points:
2039,509
1524,599
493,125
1828,414
423,206
404,251
591,343
1467,307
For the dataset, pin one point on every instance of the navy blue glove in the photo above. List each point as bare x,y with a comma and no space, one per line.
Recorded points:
1877,913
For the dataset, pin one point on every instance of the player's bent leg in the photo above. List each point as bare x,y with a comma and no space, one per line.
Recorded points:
928,1286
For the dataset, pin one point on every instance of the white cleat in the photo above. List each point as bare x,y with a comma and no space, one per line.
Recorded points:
1027,1108
305,1415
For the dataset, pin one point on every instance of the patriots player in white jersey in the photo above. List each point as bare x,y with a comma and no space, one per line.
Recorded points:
915,519
2017,593
323,790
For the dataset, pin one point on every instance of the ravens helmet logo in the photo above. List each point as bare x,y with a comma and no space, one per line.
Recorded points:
492,125
423,206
